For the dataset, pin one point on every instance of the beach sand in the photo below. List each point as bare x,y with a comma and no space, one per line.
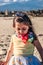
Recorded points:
6,30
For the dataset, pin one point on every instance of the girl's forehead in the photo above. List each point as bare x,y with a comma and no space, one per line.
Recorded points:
17,24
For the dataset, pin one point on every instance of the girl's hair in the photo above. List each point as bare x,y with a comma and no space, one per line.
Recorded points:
23,18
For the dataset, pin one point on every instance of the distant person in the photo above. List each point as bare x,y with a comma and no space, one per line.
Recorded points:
23,42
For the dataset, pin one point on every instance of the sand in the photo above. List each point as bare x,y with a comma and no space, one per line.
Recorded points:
6,30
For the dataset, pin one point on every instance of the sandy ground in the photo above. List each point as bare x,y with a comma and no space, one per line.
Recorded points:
6,30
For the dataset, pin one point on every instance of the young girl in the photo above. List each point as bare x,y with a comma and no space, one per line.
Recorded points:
23,42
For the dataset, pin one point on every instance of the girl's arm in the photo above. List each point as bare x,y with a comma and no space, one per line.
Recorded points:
9,53
39,48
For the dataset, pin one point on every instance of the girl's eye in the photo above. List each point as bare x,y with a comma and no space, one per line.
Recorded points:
18,28
23,29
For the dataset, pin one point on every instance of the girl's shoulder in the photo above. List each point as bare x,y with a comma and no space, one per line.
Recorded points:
14,36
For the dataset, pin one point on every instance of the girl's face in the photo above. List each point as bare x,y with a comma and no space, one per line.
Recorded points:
21,28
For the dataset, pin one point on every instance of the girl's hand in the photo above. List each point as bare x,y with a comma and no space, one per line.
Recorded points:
3,63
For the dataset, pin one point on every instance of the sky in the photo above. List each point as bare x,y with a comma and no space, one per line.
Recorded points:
3,2
38,3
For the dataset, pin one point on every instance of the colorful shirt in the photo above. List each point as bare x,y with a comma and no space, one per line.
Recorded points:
20,48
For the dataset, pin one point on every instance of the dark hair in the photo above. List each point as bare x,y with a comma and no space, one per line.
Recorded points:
23,18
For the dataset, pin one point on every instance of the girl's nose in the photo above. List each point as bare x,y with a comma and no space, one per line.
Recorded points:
21,32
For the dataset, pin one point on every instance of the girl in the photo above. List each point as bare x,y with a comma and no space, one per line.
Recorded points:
23,42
